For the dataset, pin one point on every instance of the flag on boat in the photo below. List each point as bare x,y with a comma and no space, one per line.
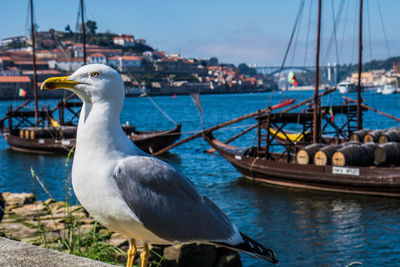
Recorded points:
54,123
292,78
331,113
22,92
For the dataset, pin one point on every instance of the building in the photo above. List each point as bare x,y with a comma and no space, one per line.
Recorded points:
18,40
97,58
41,75
10,85
66,64
124,40
125,63
28,64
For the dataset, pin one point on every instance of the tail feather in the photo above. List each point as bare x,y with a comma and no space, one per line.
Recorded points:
252,248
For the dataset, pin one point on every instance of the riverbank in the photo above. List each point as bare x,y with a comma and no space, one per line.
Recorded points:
70,229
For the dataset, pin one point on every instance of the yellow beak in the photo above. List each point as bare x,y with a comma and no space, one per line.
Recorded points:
58,83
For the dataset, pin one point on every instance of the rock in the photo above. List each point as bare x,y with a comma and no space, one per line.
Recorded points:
18,230
118,240
189,255
88,220
18,199
227,258
86,229
13,253
53,224
31,210
49,201
63,210
2,206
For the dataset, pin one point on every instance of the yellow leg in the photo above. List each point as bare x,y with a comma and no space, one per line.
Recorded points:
144,256
131,252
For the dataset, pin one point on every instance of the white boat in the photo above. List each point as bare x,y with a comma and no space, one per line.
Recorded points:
379,90
135,91
347,87
388,89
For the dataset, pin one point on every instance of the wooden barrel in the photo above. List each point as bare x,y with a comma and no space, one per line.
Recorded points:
388,153
359,135
373,136
35,133
323,156
305,155
354,155
27,134
390,135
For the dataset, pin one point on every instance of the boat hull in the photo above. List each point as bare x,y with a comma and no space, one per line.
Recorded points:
379,181
149,142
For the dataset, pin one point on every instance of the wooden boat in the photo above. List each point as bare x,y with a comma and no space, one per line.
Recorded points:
255,164
21,134
273,159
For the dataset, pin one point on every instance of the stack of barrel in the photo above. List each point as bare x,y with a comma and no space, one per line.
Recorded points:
365,148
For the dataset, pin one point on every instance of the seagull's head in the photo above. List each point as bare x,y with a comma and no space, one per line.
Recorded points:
93,83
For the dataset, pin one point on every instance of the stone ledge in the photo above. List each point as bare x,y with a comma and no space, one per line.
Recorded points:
14,253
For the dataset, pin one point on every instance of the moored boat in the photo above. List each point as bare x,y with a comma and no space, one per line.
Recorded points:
283,170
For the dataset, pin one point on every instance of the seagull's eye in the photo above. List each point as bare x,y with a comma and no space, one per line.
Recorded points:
94,74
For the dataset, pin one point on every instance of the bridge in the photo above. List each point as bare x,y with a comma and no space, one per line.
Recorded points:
329,73
271,70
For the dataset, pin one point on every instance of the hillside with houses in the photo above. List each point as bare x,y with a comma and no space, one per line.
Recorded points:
144,69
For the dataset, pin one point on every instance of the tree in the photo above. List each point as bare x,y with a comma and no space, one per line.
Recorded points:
91,26
68,29
246,70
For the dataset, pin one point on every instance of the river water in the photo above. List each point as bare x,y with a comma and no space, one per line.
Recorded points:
305,228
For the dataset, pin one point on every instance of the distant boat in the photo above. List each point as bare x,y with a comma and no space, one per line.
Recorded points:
388,89
135,91
391,86
379,90
347,87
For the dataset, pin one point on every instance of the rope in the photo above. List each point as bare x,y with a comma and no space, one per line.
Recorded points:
299,13
383,28
158,107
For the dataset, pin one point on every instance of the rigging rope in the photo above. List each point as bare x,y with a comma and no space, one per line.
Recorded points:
369,30
158,107
301,5
383,27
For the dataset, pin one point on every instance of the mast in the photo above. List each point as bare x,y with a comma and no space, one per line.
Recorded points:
359,100
35,89
316,115
83,34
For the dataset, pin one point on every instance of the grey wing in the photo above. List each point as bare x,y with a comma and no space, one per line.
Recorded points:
168,204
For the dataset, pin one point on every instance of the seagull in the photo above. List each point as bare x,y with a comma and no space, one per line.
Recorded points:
131,192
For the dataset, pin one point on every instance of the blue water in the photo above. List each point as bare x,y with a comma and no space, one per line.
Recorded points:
305,228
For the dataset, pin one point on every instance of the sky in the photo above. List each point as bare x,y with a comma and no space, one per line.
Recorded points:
251,31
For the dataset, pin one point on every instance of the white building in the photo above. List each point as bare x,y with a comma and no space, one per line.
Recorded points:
124,40
97,58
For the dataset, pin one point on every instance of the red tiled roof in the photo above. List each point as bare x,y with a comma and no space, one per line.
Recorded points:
99,50
78,59
28,62
134,58
14,79
4,58
97,55
11,68
55,72
114,58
